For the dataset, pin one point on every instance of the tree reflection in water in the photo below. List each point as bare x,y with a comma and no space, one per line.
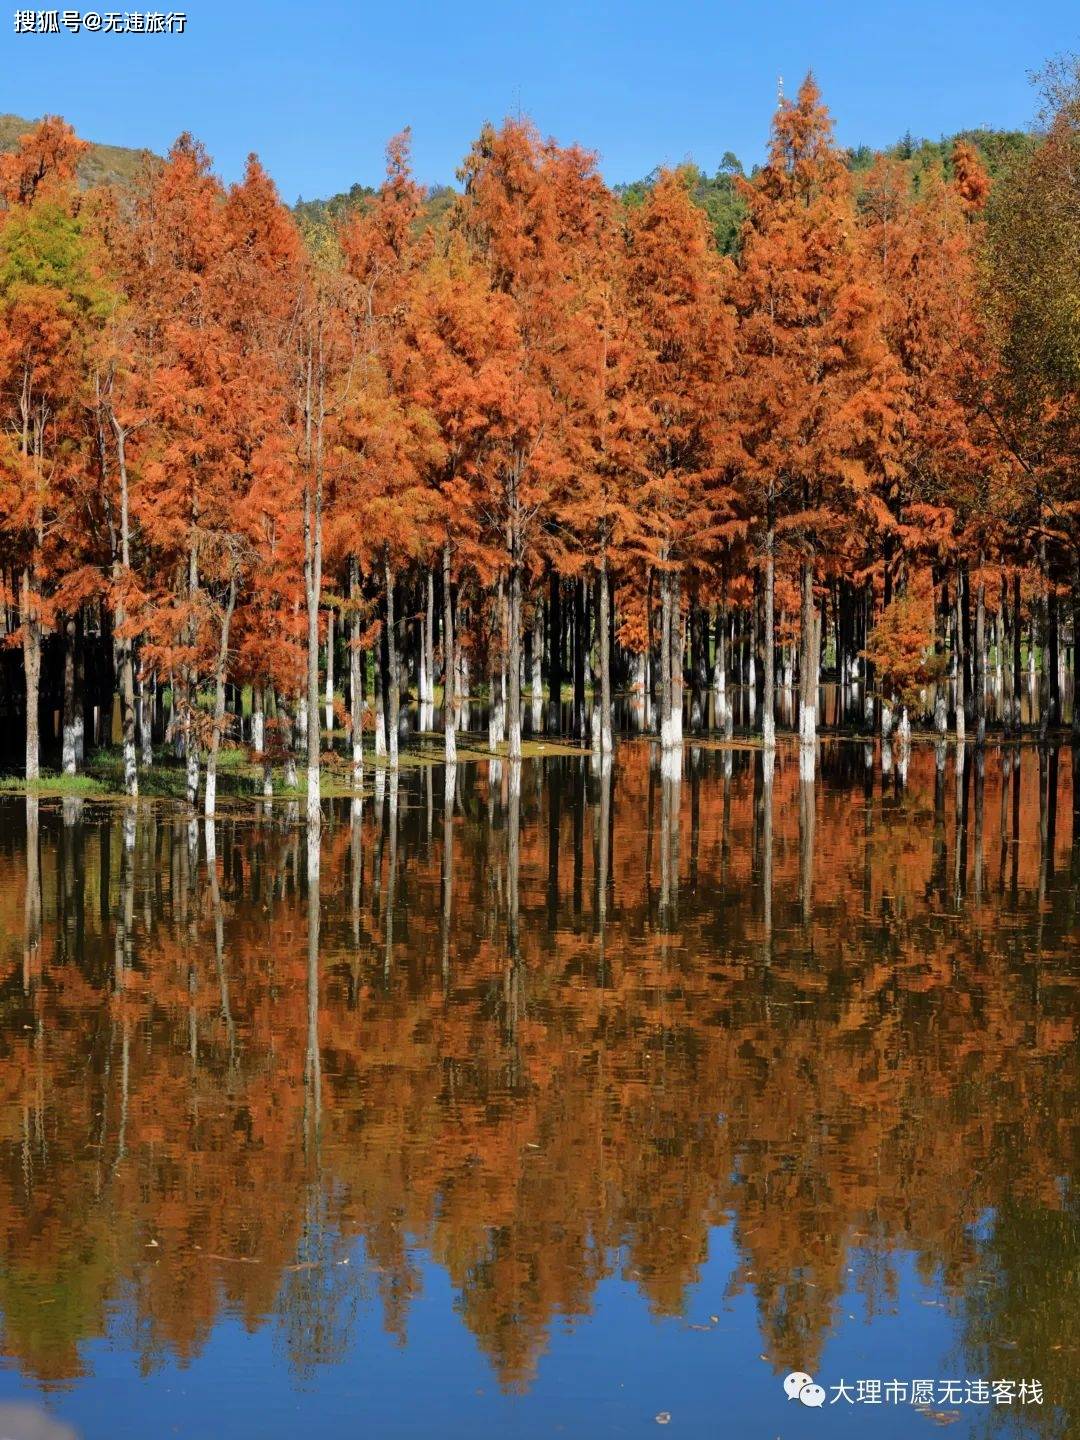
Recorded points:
541,1023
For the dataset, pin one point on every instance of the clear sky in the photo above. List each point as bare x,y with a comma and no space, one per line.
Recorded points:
317,86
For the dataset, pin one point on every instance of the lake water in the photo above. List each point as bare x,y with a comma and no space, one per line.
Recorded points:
562,1102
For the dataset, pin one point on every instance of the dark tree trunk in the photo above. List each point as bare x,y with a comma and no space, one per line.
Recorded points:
605,658
579,658
555,666
1017,656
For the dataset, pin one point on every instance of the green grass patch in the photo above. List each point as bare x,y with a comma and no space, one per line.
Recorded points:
49,784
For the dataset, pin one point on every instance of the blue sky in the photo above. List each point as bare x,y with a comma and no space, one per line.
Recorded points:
316,88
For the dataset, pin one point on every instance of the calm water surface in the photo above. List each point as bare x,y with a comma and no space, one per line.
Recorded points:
590,1099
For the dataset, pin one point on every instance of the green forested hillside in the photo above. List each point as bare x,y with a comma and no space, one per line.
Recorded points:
717,193
100,165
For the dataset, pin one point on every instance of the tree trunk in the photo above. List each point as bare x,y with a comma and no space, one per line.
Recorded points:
210,796
963,587
1017,656
121,573
720,640
979,667
393,678
429,639
30,616
269,699
82,698
127,703
258,721
555,670
449,663
70,762
356,677
579,658
314,415
958,621
665,659
536,683
330,668
380,672
768,712
605,657
1051,660
808,659
869,675
127,711
678,650
514,697
144,695
496,708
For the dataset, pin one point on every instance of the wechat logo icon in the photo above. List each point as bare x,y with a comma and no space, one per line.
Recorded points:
800,1386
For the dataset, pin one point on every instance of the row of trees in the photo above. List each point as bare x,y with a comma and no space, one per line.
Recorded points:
236,442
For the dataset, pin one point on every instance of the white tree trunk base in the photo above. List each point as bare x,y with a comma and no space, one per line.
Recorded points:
70,763
314,805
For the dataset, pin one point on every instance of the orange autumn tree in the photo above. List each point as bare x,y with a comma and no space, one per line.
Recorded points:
175,251
520,198
261,275
389,432
52,306
213,276
676,284
598,516
1029,302
817,385
929,503
463,341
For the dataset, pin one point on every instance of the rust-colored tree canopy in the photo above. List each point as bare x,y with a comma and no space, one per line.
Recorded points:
538,435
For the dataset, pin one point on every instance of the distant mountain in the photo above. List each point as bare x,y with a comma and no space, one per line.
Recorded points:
101,164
